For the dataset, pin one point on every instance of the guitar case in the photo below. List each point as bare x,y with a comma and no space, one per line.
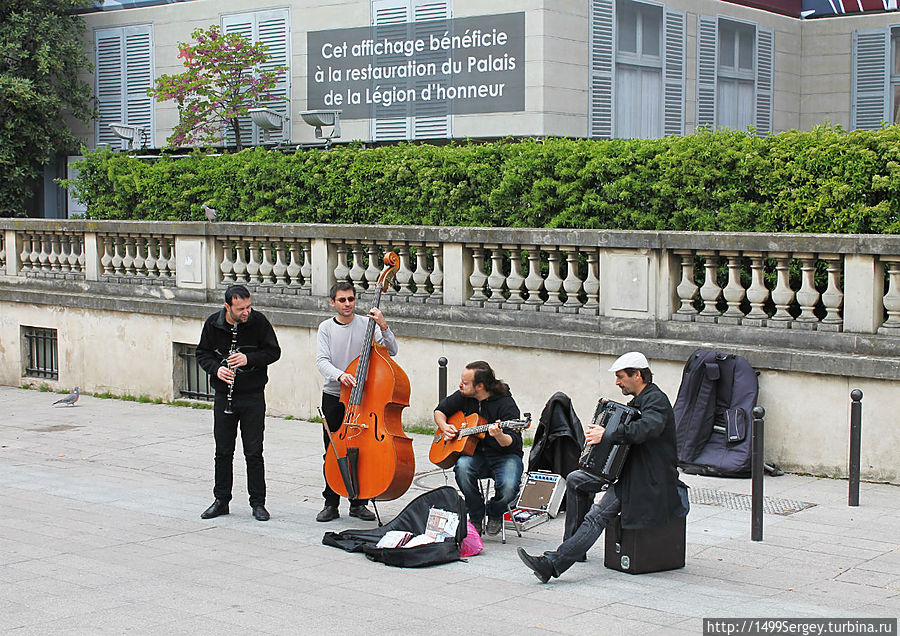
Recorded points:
411,519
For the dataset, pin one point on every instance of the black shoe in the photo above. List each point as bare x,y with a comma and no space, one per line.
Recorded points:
582,558
217,508
539,565
328,513
494,526
361,512
479,526
260,513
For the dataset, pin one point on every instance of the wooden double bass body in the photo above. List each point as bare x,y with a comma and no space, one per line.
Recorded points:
381,459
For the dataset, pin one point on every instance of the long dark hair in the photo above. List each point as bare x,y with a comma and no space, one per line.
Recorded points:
484,374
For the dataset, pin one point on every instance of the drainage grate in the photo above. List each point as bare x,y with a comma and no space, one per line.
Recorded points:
735,501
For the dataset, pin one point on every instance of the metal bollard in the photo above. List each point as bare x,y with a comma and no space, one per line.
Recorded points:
757,470
442,378
855,437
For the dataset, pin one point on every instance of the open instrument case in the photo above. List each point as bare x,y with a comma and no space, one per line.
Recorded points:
539,499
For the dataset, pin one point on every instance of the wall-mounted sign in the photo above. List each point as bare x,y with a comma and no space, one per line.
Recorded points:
464,65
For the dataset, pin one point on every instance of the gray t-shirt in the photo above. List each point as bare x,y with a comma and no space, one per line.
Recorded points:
338,345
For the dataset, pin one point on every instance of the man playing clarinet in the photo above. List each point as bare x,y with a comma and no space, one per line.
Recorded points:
236,346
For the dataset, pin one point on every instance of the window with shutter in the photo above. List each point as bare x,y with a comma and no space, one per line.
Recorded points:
602,19
673,73
124,72
895,75
271,28
765,55
870,80
707,43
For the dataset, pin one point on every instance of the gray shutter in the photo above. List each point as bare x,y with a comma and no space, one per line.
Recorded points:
273,30
432,119
673,72
870,81
707,49
602,47
138,79
390,19
765,58
244,24
109,56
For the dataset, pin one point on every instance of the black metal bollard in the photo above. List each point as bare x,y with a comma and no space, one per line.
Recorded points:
442,378
855,436
757,470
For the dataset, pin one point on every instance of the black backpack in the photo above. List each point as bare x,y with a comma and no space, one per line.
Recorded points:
713,414
411,519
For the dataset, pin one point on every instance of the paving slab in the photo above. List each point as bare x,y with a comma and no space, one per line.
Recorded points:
100,532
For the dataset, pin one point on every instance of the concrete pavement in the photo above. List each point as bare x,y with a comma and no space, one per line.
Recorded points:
100,532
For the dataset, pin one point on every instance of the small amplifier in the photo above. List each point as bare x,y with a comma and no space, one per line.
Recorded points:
539,500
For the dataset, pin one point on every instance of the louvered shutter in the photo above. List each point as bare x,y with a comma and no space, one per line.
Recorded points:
707,47
390,19
673,72
110,85
273,31
432,118
139,79
871,76
602,46
242,23
765,57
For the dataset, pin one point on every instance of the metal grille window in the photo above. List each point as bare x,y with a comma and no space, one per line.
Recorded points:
41,359
191,380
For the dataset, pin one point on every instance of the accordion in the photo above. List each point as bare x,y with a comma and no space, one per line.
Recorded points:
606,459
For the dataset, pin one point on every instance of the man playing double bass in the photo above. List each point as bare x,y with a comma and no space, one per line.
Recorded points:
498,455
340,340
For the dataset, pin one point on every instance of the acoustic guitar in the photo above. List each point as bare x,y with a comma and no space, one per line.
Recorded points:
471,430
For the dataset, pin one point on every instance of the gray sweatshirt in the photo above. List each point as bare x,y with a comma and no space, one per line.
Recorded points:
338,345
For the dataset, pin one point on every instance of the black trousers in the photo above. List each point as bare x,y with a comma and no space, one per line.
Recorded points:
333,409
250,415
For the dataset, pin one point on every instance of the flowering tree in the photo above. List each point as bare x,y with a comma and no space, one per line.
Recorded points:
223,81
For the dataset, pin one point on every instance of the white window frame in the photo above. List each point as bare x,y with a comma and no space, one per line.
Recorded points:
121,83
644,65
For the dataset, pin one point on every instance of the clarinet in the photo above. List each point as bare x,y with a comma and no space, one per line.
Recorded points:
231,351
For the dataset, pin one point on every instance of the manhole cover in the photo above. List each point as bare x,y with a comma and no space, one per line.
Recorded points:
735,501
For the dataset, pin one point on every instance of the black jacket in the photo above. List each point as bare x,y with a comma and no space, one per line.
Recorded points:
492,408
256,339
559,438
648,486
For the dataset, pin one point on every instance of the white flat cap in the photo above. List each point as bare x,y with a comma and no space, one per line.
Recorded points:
630,360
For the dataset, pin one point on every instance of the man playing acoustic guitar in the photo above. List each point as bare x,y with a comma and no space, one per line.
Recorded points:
498,455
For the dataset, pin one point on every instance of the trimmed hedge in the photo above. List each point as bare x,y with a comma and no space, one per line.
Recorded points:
826,180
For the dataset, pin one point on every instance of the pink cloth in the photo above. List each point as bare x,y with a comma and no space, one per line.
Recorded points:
472,543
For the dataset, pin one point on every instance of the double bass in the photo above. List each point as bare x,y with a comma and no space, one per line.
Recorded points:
371,456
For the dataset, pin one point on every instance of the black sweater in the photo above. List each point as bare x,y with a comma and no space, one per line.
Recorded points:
256,339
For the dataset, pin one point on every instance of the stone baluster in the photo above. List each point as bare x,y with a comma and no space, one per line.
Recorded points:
106,259
497,279
76,250
686,289
140,258
437,274
81,257
341,270
757,293
710,290
592,284
891,298
553,282
572,282
128,260
515,282
279,269
734,291
172,263
44,255
404,273
833,296
807,295
53,256
150,261
293,268
306,267
534,282
240,265
117,259
253,262
782,295
373,270
2,254
357,271
421,275
66,247
477,278
266,266
35,252
227,265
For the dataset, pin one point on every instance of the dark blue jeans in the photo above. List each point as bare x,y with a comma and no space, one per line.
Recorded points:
250,414
585,520
504,469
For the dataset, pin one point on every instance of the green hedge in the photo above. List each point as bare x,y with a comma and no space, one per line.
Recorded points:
825,180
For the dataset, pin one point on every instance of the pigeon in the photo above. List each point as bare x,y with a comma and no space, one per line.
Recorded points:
209,212
70,399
